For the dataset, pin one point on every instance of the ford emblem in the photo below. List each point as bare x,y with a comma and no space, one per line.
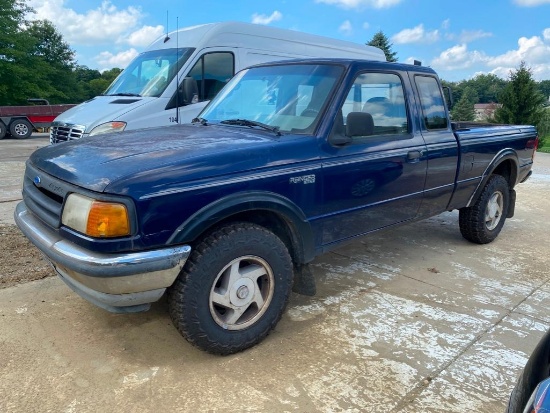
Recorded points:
37,181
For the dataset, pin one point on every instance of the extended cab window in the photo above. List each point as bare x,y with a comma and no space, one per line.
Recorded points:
375,105
212,71
431,99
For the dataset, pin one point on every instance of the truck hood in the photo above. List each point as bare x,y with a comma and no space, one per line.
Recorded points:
101,109
150,159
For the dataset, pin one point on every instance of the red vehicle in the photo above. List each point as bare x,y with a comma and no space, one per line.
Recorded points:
21,121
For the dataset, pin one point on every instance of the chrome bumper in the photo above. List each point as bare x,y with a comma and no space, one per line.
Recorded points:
127,282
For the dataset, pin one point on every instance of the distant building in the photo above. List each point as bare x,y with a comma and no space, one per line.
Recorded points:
485,111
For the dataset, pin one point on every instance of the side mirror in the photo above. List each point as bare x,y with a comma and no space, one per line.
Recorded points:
189,91
447,91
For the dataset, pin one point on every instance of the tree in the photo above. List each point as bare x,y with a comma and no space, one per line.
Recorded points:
544,88
464,108
53,61
14,45
382,42
522,103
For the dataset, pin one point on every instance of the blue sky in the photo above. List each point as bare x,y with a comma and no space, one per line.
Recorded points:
457,38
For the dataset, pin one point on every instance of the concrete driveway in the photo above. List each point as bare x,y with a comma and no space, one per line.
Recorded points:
411,320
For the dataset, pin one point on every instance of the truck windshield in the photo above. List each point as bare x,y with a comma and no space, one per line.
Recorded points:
149,73
290,98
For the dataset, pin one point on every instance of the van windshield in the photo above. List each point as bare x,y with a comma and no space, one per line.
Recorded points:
288,98
149,73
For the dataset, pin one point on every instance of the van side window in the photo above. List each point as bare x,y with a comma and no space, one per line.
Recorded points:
431,99
375,105
212,71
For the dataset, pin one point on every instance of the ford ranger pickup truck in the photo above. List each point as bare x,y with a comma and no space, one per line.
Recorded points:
288,161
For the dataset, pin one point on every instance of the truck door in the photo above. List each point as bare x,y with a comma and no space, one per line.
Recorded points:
374,165
441,144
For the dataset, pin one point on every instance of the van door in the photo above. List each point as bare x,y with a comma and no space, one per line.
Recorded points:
212,70
377,179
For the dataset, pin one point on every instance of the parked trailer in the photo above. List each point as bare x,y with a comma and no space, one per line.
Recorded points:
21,121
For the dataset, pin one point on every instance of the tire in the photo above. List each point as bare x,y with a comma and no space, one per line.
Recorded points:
20,128
481,223
233,289
2,130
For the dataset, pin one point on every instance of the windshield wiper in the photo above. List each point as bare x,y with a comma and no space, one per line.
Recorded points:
252,123
202,121
125,94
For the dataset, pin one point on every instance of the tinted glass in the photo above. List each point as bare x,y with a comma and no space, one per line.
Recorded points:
431,99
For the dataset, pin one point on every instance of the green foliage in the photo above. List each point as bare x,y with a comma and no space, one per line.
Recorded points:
36,62
544,88
486,86
522,103
544,130
382,42
464,108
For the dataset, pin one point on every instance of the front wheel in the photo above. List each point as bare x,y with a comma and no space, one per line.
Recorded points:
233,289
482,222
20,128
2,130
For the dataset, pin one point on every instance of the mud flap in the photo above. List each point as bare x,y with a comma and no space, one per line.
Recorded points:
512,204
304,281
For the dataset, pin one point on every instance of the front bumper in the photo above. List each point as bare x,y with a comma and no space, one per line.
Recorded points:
127,282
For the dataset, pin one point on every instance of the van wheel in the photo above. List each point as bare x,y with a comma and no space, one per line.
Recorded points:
2,131
233,289
20,128
481,223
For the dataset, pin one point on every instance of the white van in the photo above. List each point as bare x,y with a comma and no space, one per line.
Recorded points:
180,72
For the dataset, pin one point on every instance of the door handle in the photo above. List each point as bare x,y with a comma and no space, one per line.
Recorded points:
414,156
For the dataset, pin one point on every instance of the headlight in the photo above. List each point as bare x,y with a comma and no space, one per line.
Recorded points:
96,218
108,127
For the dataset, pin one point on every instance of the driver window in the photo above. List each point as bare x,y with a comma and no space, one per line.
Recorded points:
212,71
375,105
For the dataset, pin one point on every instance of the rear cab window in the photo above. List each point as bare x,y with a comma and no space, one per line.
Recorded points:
434,114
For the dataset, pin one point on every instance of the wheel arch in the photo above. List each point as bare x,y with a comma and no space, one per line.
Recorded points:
270,210
506,164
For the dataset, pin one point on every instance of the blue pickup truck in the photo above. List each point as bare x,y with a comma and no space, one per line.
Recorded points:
290,160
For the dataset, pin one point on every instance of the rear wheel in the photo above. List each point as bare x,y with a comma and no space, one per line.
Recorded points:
482,222
2,130
20,128
233,289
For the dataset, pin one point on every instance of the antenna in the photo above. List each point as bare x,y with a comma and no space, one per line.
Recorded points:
178,70
167,37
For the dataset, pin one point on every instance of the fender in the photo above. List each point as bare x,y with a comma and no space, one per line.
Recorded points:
503,155
296,221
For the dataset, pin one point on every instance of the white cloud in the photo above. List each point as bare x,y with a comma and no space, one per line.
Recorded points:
416,35
360,4
366,25
458,57
531,3
446,24
346,28
265,19
108,60
145,36
468,36
105,24
533,51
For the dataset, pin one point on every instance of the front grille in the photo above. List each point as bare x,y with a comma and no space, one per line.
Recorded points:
44,195
63,132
